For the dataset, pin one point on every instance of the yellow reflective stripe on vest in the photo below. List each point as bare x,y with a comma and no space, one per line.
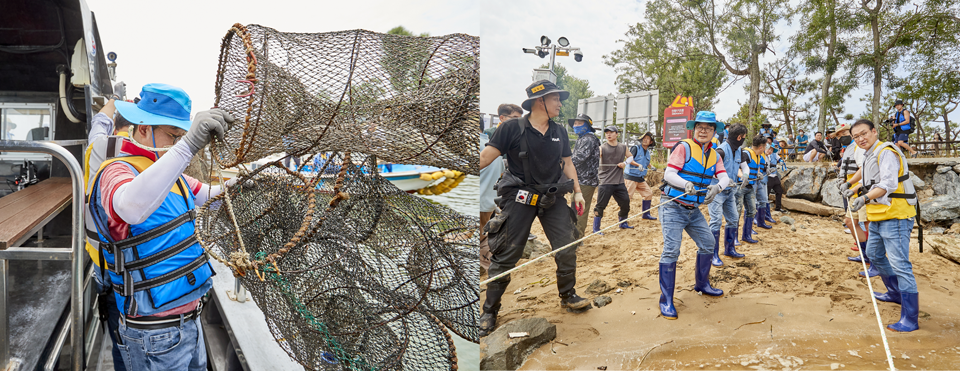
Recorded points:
899,207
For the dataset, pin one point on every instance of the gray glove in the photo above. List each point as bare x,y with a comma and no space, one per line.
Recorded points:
844,186
712,192
120,90
858,203
847,193
206,125
690,189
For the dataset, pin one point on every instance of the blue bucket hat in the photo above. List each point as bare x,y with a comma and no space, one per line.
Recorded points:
708,117
160,104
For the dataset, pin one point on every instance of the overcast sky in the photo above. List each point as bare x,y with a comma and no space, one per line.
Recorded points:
509,25
178,42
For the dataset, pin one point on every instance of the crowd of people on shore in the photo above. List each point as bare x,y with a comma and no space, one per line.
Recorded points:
719,166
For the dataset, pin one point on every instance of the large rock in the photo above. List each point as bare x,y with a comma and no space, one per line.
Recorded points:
500,352
940,208
808,207
598,287
917,182
805,182
947,183
534,248
942,169
830,193
956,169
944,245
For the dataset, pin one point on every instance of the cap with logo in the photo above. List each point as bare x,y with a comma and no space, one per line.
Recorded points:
584,118
539,89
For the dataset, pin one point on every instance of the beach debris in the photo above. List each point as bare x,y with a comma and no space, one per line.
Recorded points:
651,349
603,368
854,353
503,353
633,312
834,366
619,291
514,335
598,287
751,323
788,220
602,300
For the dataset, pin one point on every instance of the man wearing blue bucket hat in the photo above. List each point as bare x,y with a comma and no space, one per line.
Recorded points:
692,165
142,209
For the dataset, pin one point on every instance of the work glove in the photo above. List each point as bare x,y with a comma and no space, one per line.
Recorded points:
712,192
206,126
844,186
858,203
847,193
690,189
120,91
578,202
247,184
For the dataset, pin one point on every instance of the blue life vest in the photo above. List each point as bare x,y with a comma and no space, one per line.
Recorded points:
642,158
756,164
698,167
731,161
162,264
900,117
763,168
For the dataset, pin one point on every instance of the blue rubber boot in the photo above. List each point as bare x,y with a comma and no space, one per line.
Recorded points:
761,218
668,276
730,235
863,247
893,290
702,275
596,225
623,224
747,231
716,250
909,314
873,271
646,214
767,216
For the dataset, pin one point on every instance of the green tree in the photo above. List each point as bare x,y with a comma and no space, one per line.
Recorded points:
578,88
404,59
781,88
823,41
735,34
642,64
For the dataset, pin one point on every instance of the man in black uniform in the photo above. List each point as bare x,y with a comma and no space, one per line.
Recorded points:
538,153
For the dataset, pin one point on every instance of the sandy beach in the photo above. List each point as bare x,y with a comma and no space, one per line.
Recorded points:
794,302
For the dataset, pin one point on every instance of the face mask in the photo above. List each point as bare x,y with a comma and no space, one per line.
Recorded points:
581,130
846,140
734,144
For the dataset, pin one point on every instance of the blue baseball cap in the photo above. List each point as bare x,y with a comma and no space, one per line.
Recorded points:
708,117
160,104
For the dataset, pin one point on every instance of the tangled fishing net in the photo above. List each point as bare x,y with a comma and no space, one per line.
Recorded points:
351,272
410,100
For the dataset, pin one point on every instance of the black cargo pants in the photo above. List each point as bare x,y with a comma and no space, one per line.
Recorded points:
507,235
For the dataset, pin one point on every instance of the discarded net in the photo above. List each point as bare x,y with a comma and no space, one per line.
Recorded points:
406,99
351,272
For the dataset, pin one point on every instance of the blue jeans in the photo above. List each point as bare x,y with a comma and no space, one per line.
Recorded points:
763,196
674,219
178,347
747,196
888,246
724,207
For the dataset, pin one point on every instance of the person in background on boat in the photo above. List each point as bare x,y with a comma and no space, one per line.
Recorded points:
530,189
10,134
850,176
586,158
724,206
891,205
691,166
816,149
612,162
636,171
141,192
489,177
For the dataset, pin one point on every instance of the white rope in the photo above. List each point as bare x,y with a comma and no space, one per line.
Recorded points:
866,273
575,242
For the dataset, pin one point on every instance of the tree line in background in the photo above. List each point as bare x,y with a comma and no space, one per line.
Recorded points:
699,48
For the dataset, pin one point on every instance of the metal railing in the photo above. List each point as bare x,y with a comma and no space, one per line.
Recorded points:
75,252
